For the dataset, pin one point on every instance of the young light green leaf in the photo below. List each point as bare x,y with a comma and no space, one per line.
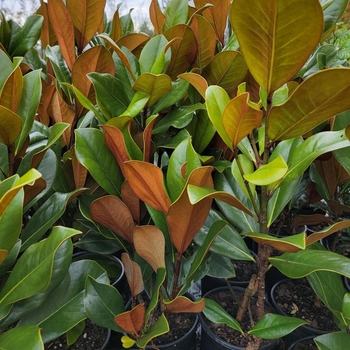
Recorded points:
216,99
268,174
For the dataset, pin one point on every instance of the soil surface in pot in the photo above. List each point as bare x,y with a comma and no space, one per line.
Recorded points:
244,270
179,325
93,337
231,304
296,298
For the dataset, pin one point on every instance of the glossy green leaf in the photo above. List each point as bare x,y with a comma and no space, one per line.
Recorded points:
215,313
29,103
276,49
303,155
268,174
182,162
61,263
304,262
212,233
28,179
220,267
333,340
25,338
176,12
137,104
11,224
179,89
66,299
178,117
93,153
154,50
311,66
307,107
227,69
229,243
7,66
291,243
284,193
280,95
5,32
160,278
102,303
111,96
204,131
245,222
48,169
32,273
86,103
60,68
332,11
346,307
160,327
156,86
122,56
216,99
26,37
10,259
273,326
10,126
42,220
247,167
329,287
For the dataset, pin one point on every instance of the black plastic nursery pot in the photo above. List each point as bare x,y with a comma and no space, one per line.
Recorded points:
303,343
211,341
244,270
113,266
88,340
302,331
188,341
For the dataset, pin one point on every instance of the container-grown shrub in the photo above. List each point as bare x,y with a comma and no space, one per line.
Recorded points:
153,107
265,137
36,251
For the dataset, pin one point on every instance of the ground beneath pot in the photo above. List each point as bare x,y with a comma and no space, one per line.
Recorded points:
296,298
93,338
231,304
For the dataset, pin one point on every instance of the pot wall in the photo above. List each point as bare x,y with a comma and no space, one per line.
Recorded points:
210,341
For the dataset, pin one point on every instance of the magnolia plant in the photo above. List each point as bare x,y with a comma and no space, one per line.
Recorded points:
152,119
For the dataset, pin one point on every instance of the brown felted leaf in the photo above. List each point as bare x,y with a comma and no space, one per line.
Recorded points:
183,304
185,219
59,14
111,212
133,275
131,321
146,180
149,243
157,17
